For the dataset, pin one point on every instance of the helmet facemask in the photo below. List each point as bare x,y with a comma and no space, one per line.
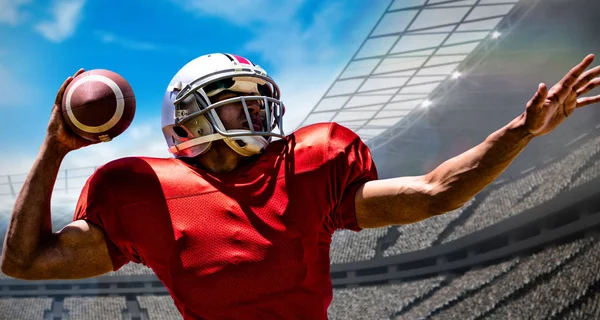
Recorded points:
197,122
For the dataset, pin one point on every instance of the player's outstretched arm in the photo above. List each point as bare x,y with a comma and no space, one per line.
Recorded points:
31,250
410,199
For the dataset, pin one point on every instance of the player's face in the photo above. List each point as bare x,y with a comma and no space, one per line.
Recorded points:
233,116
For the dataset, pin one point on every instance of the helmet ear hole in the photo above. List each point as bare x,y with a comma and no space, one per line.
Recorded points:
240,143
180,132
265,90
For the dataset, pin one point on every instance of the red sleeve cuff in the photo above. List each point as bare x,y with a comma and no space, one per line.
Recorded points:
347,209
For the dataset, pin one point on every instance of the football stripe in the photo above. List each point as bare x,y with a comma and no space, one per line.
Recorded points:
118,111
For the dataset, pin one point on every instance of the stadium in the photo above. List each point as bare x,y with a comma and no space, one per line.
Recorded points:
432,79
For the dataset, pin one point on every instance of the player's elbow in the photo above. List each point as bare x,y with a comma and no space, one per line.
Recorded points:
14,267
23,272
11,266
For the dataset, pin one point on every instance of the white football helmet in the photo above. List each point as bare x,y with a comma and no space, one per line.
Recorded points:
189,120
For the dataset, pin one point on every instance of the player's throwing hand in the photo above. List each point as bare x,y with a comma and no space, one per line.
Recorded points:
58,133
547,109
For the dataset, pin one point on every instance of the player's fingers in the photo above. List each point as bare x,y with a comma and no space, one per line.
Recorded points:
62,88
61,91
80,71
588,87
587,77
538,98
582,102
571,78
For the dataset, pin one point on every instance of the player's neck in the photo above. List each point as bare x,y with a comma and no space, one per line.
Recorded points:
220,158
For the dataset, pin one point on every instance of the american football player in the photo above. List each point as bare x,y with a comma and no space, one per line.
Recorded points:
238,223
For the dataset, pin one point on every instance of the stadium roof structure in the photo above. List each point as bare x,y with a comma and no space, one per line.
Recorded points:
434,78
415,48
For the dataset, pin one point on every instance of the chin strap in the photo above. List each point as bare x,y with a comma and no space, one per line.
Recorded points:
253,145
195,142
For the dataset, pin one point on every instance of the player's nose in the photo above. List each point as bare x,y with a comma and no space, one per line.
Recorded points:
253,106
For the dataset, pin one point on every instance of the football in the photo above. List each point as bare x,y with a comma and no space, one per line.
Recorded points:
98,105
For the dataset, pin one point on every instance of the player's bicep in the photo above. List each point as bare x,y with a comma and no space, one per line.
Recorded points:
76,251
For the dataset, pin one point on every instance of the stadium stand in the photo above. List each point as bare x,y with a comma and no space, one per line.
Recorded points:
553,295
24,308
95,308
470,281
588,309
423,234
380,301
480,302
350,246
159,307
588,174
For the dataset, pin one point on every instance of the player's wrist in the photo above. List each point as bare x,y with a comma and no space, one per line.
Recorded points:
52,145
519,129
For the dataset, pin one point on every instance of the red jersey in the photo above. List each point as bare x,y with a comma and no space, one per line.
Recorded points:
250,244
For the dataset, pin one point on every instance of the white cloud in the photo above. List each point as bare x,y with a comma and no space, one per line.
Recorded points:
301,44
11,11
110,38
131,44
66,16
243,12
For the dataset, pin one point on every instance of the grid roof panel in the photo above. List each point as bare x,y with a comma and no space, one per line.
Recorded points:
360,68
430,18
419,42
394,22
403,4
487,24
415,47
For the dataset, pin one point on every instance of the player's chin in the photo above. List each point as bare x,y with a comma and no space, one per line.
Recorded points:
243,126
237,127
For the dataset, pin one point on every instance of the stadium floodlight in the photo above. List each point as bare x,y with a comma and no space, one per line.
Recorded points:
456,75
426,103
496,35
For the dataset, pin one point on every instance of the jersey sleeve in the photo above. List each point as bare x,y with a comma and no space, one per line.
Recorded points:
351,166
97,206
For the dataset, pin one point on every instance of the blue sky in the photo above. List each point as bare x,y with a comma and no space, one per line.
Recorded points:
303,44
